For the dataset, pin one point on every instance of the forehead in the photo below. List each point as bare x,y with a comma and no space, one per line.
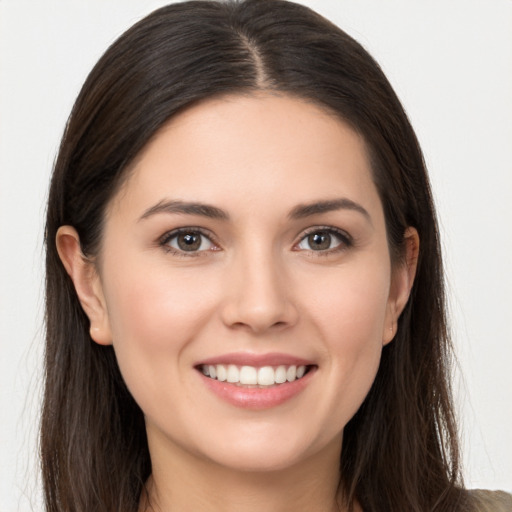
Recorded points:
251,147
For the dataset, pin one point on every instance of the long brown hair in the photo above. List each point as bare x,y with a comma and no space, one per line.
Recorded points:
400,449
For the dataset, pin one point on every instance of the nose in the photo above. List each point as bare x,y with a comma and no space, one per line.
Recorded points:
259,295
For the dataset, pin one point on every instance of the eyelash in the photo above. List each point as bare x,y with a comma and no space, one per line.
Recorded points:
346,241
167,237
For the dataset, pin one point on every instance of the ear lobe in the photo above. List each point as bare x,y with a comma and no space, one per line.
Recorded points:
87,283
401,285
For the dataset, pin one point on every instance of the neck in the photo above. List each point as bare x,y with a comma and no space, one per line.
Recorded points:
182,482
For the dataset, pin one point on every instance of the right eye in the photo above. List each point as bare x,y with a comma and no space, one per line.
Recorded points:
188,241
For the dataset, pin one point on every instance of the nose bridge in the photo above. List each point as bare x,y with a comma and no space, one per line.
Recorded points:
259,295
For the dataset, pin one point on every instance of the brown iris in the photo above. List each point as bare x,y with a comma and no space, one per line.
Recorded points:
189,241
319,241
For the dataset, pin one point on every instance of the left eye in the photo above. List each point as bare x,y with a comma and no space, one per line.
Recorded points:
322,240
189,241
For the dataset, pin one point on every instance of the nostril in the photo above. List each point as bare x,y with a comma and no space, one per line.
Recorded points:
259,326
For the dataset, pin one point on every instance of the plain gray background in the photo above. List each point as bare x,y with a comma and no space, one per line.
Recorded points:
451,64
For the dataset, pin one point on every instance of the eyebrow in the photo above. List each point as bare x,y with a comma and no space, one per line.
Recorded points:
187,208
301,211
306,210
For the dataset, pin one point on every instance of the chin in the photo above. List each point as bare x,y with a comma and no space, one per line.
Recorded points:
270,451
258,461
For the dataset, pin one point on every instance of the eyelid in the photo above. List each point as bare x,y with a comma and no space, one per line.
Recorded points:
163,240
346,239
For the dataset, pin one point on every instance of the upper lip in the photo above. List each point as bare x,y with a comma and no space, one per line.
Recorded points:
257,360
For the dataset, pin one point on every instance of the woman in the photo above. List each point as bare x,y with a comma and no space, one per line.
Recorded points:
244,285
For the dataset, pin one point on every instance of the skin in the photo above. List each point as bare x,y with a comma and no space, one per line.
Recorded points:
256,285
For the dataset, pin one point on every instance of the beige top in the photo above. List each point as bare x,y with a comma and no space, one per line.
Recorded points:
492,501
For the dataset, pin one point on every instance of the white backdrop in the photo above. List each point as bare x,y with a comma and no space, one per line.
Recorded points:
451,64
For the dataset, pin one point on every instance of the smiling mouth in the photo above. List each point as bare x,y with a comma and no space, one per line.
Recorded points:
252,376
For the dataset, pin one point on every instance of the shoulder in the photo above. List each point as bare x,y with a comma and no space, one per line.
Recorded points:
491,501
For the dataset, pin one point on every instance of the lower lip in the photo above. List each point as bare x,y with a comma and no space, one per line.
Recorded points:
258,398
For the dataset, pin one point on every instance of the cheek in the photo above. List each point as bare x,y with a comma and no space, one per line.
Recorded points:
153,318
350,318
351,306
153,308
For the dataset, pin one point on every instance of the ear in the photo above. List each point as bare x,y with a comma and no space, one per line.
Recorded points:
402,279
87,283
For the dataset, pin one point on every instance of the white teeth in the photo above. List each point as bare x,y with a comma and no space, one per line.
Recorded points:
248,375
266,376
222,374
233,374
291,373
280,374
252,376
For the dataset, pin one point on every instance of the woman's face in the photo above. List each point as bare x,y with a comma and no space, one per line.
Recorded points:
248,247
